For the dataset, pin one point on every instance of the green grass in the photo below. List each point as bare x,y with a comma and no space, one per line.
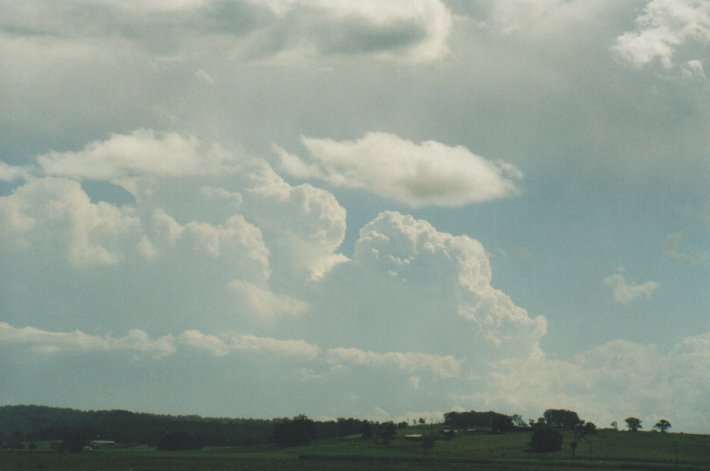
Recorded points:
606,450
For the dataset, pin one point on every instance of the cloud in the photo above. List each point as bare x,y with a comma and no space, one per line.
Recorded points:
678,250
662,28
9,173
140,153
446,367
425,174
265,303
208,343
625,291
77,341
50,211
309,227
423,262
415,31
693,70
609,382
412,31
297,349
545,18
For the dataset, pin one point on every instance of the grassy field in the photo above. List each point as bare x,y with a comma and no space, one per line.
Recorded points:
606,450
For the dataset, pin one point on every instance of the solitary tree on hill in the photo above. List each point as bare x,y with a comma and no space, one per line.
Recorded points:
633,423
662,425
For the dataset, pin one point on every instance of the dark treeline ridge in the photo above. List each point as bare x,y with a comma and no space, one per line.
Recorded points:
35,423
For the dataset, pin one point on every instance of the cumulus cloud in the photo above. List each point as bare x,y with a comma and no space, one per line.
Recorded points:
310,223
140,153
446,367
264,303
662,28
425,174
609,382
77,341
413,31
457,268
625,291
50,211
208,343
10,173
298,349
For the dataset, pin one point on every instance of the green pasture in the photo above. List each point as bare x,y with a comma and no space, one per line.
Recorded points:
606,450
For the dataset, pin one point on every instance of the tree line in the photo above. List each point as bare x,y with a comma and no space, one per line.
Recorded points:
73,429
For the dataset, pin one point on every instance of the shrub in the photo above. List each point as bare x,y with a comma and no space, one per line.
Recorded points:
546,440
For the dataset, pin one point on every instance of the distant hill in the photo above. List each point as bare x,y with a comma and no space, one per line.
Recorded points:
55,423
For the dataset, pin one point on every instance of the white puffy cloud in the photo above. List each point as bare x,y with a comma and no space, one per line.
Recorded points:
693,70
77,341
607,383
10,173
201,341
662,28
304,225
415,255
48,212
235,242
298,349
140,153
413,31
210,229
264,303
446,367
425,174
625,291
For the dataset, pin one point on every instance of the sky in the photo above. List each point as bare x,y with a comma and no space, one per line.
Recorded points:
375,209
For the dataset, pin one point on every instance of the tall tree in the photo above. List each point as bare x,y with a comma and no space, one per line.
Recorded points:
561,418
662,425
633,423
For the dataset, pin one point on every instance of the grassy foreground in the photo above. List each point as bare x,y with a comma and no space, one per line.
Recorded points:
606,450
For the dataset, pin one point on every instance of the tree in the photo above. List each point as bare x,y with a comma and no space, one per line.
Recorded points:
501,423
615,425
294,432
518,421
561,418
386,431
546,440
633,423
366,430
662,425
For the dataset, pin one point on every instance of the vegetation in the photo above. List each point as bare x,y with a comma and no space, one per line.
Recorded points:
342,447
633,423
177,441
545,440
298,431
662,425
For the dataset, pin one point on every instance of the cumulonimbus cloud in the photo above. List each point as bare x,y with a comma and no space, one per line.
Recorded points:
417,174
